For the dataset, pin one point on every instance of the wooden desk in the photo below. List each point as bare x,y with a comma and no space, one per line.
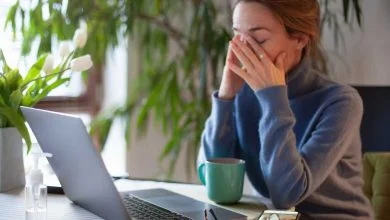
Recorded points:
61,208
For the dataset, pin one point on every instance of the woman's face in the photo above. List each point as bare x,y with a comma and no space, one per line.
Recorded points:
257,21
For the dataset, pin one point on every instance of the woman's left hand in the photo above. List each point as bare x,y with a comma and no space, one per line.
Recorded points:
258,70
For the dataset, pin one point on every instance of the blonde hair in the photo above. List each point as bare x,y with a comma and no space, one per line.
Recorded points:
298,16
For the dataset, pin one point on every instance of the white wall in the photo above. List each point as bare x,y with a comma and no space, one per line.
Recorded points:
365,59
143,154
115,85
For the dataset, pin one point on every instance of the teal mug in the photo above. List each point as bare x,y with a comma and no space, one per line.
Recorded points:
223,178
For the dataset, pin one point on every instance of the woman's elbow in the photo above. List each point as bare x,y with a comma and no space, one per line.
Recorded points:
287,197
283,202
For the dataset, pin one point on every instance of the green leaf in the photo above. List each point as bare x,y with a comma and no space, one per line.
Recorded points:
45,43
23,15
35,69
144,112
128,120
11,17
16,99
104,131
172,162
47,90
101,127
3,121
37,19
56,73
173,143
28,37
18,121
2,101
29,94
3,62
4,89
358,11
346,10
14,79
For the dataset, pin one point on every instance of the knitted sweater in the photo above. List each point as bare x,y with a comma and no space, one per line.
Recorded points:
301,143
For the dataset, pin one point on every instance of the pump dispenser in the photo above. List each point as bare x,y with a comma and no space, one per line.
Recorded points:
36,191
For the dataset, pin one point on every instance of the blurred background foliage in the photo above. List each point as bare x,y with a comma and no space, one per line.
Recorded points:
181,46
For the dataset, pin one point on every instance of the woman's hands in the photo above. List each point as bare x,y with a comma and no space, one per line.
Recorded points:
231,82
257,70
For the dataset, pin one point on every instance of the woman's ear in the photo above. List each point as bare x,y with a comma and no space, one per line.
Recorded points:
301,40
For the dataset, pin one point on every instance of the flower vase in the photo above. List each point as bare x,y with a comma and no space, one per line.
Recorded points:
12,173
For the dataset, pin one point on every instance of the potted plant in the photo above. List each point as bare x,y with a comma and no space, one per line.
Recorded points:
16,90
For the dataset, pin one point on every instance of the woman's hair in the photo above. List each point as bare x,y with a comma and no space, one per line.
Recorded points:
298,16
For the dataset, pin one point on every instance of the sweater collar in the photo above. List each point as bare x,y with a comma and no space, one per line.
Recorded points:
299,80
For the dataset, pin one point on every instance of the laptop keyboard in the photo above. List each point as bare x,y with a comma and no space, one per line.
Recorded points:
140,209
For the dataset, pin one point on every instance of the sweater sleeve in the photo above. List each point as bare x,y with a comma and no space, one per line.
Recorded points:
219,136
292,175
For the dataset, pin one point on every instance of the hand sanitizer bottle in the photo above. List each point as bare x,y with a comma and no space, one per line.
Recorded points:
36,191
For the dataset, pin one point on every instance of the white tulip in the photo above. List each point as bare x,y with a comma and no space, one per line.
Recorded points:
83,25
80,37
48,65
64,49
80,64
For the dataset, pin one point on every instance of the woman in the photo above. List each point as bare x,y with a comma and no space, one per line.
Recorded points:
297,131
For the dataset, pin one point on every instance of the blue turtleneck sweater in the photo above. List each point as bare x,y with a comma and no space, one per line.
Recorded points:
301,143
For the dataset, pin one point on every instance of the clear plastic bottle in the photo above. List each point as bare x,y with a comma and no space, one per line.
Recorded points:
36,191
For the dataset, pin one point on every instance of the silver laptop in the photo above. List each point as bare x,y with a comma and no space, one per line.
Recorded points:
86,181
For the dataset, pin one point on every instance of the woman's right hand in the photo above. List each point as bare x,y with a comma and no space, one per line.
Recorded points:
231,83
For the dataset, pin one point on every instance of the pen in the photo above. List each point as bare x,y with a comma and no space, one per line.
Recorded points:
213,214
205,214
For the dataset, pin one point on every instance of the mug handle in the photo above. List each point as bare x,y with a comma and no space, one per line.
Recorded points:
201,172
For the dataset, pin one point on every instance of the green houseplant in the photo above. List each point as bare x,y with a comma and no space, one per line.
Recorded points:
182,46
40,80
16,90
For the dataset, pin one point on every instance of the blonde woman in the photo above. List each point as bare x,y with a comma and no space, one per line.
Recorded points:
297,130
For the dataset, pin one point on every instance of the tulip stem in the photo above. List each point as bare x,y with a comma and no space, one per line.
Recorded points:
42,77
70,55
